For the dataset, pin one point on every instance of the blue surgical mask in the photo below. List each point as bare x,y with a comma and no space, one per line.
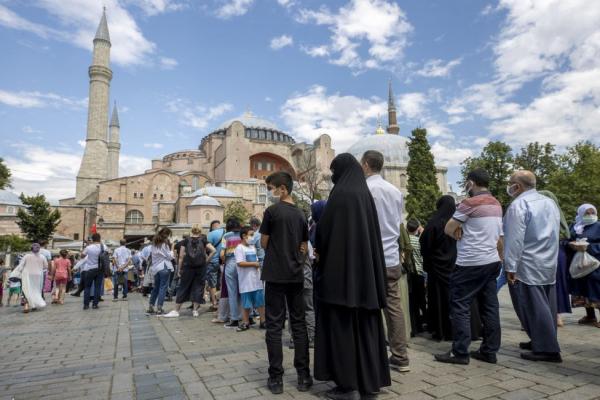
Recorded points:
589,219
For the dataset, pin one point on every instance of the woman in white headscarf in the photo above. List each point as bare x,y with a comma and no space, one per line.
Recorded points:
32,268
588,287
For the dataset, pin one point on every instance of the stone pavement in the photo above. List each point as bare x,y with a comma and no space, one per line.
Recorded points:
117,352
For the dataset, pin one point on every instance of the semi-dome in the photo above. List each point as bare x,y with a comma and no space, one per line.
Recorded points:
393,147
8,197
205,201
213,191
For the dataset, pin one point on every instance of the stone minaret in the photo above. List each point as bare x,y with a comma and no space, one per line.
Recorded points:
114,145
393,127
94,164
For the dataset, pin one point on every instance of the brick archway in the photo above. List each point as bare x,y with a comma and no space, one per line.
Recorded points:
264,164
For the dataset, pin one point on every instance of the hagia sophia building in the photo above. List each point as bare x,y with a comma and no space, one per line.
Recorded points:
194,186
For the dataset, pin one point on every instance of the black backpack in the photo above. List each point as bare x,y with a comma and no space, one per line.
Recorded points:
104,262
195,253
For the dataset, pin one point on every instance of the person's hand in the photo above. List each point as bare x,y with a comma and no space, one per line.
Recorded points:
257,264
316,255
458,233
303,248
420,229
579,246
511,277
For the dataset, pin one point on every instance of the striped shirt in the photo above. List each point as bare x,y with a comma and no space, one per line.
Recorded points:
481,218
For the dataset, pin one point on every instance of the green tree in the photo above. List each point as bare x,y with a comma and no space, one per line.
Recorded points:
497,159
539,159
4,175
423,190
15,242
236,209
38,221
576,180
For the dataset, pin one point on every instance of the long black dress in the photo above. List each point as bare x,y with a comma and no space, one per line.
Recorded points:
439,257
349,286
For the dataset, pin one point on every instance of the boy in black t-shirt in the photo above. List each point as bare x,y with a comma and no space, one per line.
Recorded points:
284,236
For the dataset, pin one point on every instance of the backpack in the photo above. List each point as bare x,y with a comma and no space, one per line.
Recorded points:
195,253
104,262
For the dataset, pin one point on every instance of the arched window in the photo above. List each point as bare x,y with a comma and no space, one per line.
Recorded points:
195,182
134,217
207,216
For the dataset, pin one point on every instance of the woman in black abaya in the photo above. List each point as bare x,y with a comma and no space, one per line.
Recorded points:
349,288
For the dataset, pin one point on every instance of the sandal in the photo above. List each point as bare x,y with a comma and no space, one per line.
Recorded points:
559,322
597,324
217,321
587,321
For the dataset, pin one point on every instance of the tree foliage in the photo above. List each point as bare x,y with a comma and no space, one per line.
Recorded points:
423,190
497,159
15,243
539,159
236,209
4,175
38,221
311,180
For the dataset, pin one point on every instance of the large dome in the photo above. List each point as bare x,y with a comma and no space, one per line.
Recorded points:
213,191
249,120
205,201
393,147
8,197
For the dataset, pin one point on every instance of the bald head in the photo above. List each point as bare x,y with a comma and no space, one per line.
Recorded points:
524,178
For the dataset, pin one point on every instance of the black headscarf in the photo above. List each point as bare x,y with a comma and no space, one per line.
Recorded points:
437,248
351,267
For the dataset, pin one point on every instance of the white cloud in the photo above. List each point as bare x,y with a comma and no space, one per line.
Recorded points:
280,42
447,154
29,129
155,7
437,68
268,99
344,118
79,22
168,63
379,25
234,8
286,3
133,165
411,105
24,99
196,115
81,143
316,51
153,145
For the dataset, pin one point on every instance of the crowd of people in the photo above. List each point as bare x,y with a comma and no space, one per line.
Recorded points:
356,282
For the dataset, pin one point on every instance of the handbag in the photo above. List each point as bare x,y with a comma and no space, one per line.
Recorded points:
17,272
583,264
104,262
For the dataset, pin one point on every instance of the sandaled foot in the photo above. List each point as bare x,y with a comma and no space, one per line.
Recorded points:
560,322
597,324
588,320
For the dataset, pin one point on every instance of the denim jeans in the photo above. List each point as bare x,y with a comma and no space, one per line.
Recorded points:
159,290
115,279
501,280
94,279
231,278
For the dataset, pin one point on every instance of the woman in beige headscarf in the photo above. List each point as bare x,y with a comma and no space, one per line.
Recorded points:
32,268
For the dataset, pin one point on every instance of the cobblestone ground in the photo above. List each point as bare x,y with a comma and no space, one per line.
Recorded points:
117,352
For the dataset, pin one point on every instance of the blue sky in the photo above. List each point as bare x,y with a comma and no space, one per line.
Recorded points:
468,71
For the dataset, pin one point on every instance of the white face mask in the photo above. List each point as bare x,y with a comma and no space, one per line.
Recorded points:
250,239
509,191
589,219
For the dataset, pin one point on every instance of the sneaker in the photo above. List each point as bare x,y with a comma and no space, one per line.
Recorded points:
275,385
115,299
252,322
75,294
450,358
338,393
262,325
195,314
160,312
399,366
304,383
150,310
485,357
95,306
242,327
124,298
84,307
217,321
232,324
525,345
100,299
548,357
171,314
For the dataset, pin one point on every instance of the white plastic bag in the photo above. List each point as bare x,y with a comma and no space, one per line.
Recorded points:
583,264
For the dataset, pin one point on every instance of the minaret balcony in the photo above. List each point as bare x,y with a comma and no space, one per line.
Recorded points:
96,70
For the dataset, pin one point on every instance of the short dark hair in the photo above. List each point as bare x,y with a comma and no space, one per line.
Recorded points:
412,225
254,221
244,231
373,159
233,224
122,242
216,221
96,237
43,242
281,178
480,177
64,253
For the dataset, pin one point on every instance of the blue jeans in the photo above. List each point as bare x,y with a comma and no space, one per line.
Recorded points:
501,281
93,280
231,278
159,290
115,279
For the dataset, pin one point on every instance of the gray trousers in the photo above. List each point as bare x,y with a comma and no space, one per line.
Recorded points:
309,312
535,306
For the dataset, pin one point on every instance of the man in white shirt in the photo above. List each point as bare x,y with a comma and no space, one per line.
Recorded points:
388,202
122,262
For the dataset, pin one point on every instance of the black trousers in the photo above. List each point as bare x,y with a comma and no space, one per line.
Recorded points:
466,285
94,278
81,285
417,303
277,295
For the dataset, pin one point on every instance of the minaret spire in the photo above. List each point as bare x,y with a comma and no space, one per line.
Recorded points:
114,144
393,127
114,120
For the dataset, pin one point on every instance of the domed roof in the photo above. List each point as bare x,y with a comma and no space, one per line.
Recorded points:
393,147
205,201
214,191
249,120
8,197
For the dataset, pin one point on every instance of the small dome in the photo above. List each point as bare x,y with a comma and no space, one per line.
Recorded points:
249,120
205,201
214,191
8,197
393,147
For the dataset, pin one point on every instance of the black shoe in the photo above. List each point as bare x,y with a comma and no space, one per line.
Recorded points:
450,358
160,311
485,357
252,322
100,299
75,294
124,298
150,310
86,307
242,327
275,385
304,383
338,393
525,345
95,306
262,325
232,324
399,367
548,357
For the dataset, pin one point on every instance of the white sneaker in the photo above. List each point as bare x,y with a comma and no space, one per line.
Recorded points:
195,314
171,314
